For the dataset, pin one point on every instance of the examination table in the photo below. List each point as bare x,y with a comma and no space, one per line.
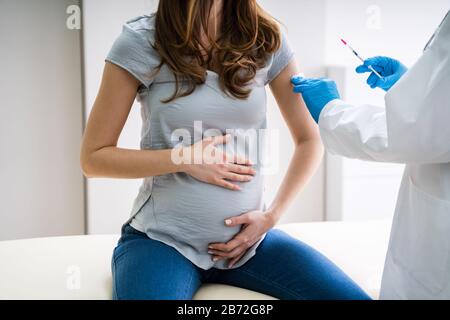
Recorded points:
80,267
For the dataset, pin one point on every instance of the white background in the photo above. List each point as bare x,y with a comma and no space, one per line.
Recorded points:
41,186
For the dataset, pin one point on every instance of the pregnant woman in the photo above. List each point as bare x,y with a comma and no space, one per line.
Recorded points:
200,69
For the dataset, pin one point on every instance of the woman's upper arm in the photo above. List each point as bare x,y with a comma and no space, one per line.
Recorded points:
292,106
112,106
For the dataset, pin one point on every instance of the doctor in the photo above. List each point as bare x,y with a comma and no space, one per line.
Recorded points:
414,129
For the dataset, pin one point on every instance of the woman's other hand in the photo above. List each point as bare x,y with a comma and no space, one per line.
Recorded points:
211,165
254,225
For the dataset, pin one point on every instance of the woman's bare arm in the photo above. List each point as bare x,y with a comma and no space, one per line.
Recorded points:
100,156
305,133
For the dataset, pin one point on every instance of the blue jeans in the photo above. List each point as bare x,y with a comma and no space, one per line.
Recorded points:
283,267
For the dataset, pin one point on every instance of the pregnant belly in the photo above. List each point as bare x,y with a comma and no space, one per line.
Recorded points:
194,213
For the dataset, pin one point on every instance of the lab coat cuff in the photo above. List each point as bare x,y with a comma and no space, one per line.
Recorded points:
330,106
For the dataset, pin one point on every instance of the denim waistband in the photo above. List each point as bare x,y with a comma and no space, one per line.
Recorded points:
128,229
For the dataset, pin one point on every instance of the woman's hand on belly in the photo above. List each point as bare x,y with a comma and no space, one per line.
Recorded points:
254,225
211,165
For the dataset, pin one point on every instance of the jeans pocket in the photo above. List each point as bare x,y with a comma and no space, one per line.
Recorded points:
128,234
119,252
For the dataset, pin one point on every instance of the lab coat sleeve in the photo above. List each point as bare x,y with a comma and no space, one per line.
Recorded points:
358,132
388,134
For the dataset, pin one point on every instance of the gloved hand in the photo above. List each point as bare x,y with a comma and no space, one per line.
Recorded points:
390,69
317,93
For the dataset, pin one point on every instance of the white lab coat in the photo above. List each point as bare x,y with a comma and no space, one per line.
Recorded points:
414,129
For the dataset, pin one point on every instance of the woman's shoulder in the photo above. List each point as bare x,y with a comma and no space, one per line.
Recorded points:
141,27
278,60
133,50
142,23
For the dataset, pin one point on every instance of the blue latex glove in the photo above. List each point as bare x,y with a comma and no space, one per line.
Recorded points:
390,69
317,93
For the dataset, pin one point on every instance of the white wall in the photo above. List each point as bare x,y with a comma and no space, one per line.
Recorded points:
41,186
397,28
109,201
309,46
405,26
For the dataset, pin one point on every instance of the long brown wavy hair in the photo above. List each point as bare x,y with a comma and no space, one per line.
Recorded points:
246,36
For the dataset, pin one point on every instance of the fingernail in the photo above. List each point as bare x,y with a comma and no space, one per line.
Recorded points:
210,252
228,222
215,259
211,247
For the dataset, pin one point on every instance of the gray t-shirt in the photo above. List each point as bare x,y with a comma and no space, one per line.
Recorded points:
177,209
